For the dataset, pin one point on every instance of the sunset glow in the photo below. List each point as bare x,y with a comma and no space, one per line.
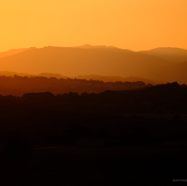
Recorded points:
93,92
134,25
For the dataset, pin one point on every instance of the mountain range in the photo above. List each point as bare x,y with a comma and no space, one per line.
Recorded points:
158,65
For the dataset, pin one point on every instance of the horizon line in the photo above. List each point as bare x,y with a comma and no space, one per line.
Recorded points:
91,46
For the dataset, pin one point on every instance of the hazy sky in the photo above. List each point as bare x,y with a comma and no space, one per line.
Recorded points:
128,24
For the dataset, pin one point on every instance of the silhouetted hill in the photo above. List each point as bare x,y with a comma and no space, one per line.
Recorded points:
81,61
19,85
167,53
85,77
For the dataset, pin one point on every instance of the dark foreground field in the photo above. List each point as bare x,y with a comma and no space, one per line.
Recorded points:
112,138
131,165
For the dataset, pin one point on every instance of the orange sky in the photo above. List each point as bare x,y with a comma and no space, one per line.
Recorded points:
128,24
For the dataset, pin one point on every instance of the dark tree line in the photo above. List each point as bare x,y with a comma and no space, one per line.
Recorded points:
19,85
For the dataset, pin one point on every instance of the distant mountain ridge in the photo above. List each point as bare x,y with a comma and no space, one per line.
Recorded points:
101,60
80,61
